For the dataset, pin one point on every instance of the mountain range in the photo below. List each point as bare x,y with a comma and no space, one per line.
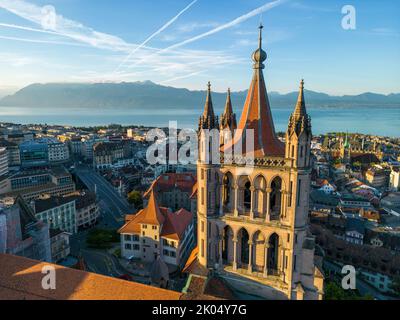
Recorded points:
148,95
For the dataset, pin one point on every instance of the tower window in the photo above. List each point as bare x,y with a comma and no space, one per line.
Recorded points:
301,151
202,196
247,195
202,248
292,151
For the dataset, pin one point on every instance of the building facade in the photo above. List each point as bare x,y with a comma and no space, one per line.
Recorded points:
253,206
57,212
34,154
174,190
87,209
158,232
3,161
60,248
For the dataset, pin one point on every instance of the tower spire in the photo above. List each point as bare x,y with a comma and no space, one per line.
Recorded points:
208,120
300,109
260,36
256,114
228,118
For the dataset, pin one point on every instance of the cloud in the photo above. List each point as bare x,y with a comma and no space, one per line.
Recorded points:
39,41
266,7
189,27
65,27
165,26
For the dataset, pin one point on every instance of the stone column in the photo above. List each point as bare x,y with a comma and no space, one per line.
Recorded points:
283,274
235,241
250,267
252,202
236,206
268,213
266,260
283,203
220,262
221,206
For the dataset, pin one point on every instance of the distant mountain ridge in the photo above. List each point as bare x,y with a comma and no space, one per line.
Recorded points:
139,95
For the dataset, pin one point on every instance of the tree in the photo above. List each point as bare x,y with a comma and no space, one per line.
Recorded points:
135,198
395,286
335,292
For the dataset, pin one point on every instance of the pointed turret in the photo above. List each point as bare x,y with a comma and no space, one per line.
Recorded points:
299,120
298,134
257,115
228,118
300,109
208,120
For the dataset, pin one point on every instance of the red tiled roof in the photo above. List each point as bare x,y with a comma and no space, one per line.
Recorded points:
173,224
257,116
167,181
21,279
176,224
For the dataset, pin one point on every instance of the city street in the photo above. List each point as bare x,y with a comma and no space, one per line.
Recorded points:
113,207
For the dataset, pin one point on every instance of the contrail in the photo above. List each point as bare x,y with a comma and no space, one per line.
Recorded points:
165,26
265,7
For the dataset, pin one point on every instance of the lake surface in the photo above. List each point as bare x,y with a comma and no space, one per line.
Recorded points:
377,120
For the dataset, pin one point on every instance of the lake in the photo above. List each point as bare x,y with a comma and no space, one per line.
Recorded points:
376,120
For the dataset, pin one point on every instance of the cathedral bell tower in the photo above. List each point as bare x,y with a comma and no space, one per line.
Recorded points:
207,175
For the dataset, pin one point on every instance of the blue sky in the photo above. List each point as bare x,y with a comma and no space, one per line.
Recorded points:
97,40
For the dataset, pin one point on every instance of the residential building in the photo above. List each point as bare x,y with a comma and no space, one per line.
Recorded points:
174,190
157,231
378,177
14,158
252,224
355,231
105,154
57,212
60,248
87,209
58,152
24,235
350,200
394,180
3,161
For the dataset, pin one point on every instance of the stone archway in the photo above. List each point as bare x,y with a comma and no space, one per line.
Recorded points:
273,255
227,245
227,191
243,243
275,198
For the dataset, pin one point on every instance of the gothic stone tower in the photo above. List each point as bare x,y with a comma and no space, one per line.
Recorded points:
253,218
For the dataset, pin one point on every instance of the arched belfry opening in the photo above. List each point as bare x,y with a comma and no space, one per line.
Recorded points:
247,196
243,238
227,246
227,191
273,246
276,198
